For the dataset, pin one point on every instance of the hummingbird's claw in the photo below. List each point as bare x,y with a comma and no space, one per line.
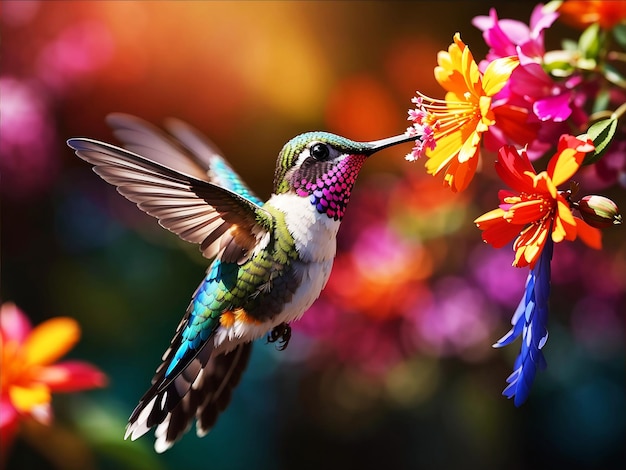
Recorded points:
280,333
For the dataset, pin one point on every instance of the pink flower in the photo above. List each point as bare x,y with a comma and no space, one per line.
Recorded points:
508,37
548,102
28,143
556,105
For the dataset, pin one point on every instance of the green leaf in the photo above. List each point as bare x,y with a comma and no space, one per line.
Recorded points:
601,133
589,41
619,33
613,76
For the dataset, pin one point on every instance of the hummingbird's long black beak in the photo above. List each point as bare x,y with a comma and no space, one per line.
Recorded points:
377,145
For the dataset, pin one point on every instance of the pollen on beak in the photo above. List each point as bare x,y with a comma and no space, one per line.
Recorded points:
377,145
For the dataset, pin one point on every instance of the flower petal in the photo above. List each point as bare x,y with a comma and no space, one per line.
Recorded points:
514,168
553,108
564,223
497,231
570,155
589,235
8,425
50,340
490,217
541,18
529,244
526,212
446,149
530,319
71,376
32,398
469,149
13,323
497,74
469,69
513,122
448,73
459,174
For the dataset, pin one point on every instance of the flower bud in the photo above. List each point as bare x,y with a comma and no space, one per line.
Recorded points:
599,211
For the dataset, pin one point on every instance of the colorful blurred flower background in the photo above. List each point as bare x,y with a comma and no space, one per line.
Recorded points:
393,366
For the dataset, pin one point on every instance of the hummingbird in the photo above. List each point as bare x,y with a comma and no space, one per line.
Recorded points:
270,259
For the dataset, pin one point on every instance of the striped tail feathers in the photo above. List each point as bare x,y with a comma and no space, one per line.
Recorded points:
208,396
201,390
222,374
168,391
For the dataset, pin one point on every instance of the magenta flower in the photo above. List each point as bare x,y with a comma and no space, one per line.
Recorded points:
508,37
29,163
549,100
549,103
512,38
556,105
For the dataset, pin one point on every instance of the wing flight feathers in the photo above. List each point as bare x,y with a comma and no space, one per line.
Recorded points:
222,222
185,149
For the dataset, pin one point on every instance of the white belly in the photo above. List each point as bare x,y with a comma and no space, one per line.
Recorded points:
315,237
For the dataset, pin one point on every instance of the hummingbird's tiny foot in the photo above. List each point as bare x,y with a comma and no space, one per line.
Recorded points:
281,333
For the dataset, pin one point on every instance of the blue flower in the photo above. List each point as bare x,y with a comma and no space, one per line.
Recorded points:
529,321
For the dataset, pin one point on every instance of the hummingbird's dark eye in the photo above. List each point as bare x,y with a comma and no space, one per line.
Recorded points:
320,151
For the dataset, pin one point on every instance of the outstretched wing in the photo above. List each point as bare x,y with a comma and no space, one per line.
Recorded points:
225,224
184,149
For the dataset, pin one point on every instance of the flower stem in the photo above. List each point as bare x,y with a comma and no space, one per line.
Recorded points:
608,114
619,112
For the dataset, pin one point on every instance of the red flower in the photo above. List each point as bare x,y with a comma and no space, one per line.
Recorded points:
538,209
28,373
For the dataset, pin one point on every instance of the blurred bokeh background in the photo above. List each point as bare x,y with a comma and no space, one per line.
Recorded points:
393,366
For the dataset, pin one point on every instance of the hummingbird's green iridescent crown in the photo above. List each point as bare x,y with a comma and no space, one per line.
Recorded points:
293,150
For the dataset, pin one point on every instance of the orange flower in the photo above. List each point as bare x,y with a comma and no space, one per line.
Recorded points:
582,13
458,122
28,373
540,209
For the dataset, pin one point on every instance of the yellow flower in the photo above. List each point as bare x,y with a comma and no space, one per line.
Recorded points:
458,121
